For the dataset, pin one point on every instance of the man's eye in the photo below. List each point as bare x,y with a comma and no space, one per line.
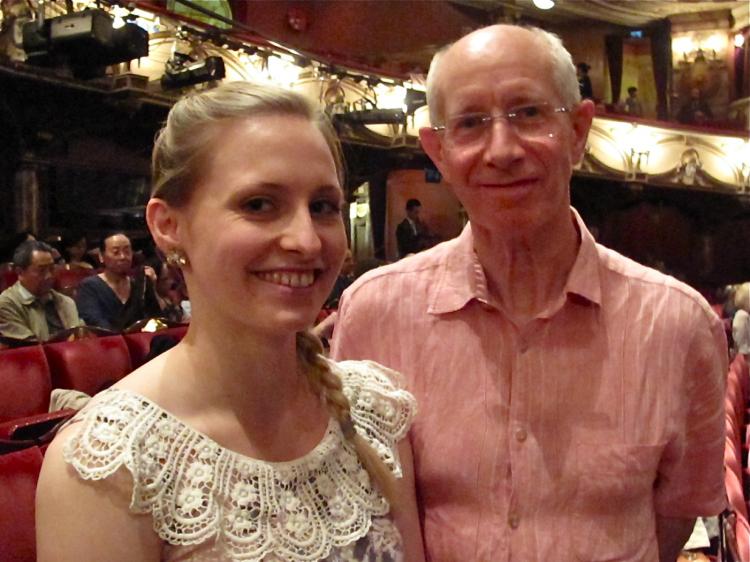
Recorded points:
325,207
258,205
469,122
527,112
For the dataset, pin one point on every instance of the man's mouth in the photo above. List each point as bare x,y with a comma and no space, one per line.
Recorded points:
294,279
508,184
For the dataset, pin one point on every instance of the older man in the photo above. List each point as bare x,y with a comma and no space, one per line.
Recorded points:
31,309
571,400
115,299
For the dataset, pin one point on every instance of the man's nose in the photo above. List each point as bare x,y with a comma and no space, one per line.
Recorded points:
503,145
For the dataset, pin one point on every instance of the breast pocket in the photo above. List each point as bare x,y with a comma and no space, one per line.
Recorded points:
613,515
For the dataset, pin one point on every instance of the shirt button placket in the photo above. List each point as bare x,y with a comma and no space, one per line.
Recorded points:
521,435
514,520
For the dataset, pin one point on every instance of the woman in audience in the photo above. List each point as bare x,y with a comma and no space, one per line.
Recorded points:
242,442
741,320
75,251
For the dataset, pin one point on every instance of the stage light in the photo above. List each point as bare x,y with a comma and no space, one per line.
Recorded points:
414,99
87,41
374,116
182,71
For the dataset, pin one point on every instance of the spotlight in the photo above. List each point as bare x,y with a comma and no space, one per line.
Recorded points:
414,100
182,71
86,40
374,116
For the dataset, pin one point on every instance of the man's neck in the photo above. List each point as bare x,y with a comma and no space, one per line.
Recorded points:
527,272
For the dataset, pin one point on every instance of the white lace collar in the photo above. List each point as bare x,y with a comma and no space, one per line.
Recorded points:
198,491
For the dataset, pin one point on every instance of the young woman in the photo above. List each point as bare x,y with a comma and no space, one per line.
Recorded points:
75,251
242,442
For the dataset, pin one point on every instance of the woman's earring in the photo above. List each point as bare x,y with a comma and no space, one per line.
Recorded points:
177,258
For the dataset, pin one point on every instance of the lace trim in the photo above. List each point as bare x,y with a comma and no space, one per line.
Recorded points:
197,491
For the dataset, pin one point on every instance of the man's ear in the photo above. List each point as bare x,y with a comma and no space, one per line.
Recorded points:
582,117
432,144
163,222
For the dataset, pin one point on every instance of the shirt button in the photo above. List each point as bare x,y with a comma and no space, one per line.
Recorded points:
521,435
514,520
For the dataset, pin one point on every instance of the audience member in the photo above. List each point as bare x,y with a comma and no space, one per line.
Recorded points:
571,400
741,320
269,451
632,103
412,235
695,110
75,251
169,291
345,278
30,309
584,82
115,298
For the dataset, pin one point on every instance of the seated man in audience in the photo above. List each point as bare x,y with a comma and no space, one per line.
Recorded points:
115,298
31,309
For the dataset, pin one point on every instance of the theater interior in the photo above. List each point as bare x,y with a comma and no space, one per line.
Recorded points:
86,84
77,132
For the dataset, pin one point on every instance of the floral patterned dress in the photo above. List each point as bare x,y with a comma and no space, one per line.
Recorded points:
211,504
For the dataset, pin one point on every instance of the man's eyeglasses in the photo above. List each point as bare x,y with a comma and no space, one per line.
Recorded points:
528,121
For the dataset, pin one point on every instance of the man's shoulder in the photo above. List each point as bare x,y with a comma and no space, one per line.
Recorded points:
10,296
90,280
91,283
410,270
651,282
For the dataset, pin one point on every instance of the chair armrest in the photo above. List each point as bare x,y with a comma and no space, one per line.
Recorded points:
36,427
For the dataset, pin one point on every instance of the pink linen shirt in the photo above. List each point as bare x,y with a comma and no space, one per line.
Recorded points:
561,439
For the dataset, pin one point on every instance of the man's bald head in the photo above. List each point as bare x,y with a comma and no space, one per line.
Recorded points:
489,43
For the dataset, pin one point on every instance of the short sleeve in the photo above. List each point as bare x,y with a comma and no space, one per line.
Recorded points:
382,410
691,474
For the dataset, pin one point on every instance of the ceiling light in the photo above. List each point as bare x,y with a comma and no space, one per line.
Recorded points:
544,4
739,40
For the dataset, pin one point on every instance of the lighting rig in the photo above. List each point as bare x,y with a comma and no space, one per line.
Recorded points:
86,41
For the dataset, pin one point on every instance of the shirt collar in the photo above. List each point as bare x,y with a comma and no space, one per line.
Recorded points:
462,277
28,298
584,279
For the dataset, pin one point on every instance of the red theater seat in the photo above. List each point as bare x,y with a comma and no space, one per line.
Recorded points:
742,535
735,494
139,343
67,280
88,365
8,276
25,383
19,472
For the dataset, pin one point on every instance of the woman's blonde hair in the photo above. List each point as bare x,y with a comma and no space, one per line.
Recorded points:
190,134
